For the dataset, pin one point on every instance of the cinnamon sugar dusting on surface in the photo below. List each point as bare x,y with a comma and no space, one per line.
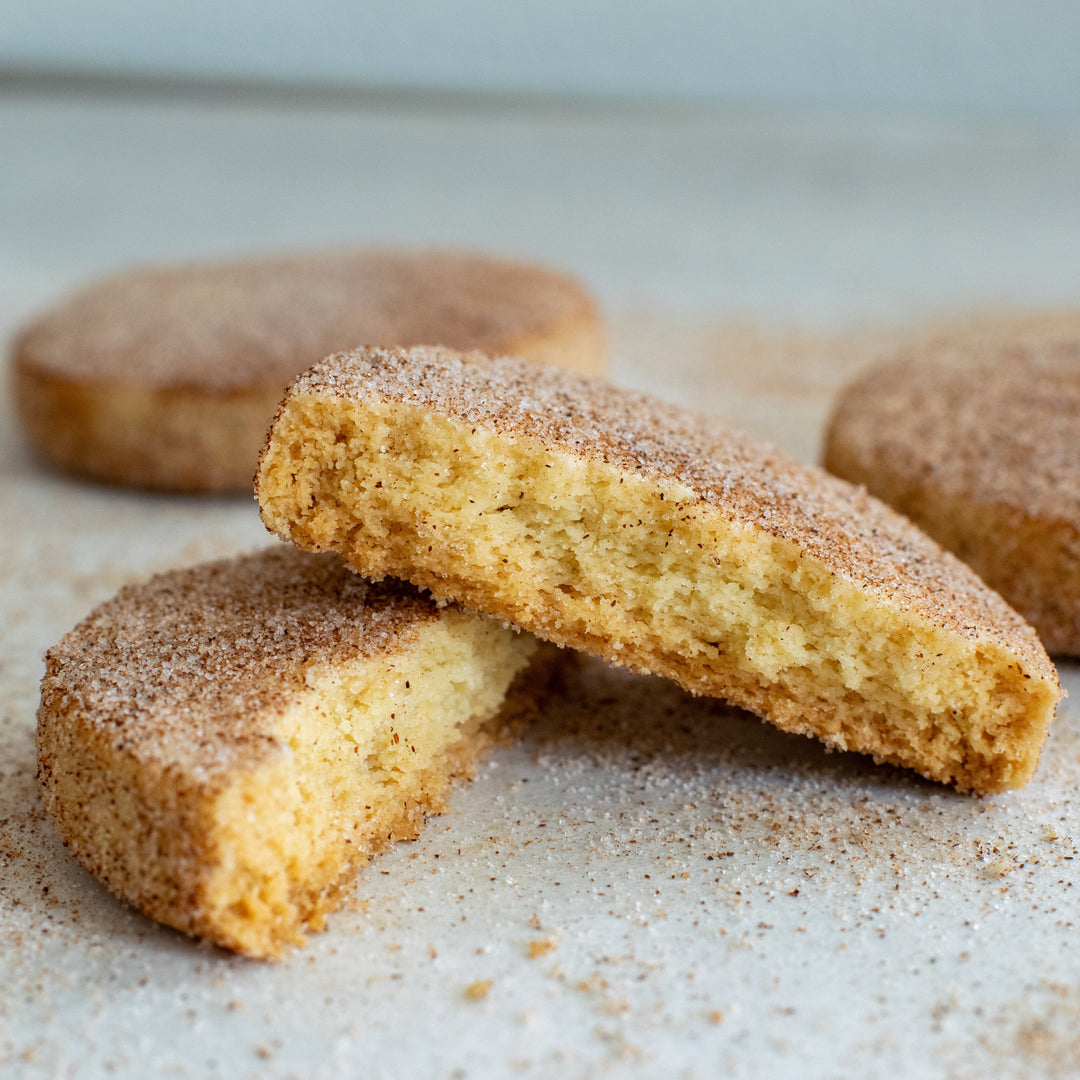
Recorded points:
802,862
705,460
189,668
217,326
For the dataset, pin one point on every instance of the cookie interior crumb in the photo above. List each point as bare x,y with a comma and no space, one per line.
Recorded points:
665,542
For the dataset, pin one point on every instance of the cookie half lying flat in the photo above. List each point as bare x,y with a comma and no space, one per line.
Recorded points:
979,443
223,746
167,378
664,541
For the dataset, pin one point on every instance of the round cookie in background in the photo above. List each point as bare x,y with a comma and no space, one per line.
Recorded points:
975,436
167,377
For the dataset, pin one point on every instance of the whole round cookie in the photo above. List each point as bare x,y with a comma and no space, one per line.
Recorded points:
166,378
977,439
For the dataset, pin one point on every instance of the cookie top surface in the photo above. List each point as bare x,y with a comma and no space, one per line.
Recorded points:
748,482
995,420
237,324
189,668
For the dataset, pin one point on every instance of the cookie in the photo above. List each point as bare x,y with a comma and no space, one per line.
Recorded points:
224,746
977,440
664,541
167,378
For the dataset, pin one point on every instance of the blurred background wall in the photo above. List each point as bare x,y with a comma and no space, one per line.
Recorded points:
997,57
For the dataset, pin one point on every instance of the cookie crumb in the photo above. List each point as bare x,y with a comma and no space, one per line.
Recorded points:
477,991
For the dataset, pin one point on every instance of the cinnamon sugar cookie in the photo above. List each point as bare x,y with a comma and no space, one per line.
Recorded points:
665,541
167,378
223,746
978,442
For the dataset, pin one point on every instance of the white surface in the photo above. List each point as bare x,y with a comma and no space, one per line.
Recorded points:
985,56
796,218
724,900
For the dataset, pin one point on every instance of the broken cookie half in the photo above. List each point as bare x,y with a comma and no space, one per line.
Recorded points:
223,746
664,541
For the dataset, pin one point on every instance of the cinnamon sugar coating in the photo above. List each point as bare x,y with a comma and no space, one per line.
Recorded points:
664,540
975,438
223,746
167,377
218,648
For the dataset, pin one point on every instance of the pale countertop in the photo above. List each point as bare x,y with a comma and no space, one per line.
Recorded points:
722,900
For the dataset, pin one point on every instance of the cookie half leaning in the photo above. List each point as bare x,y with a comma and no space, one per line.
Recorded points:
665,541
167,377
223,746
976,438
